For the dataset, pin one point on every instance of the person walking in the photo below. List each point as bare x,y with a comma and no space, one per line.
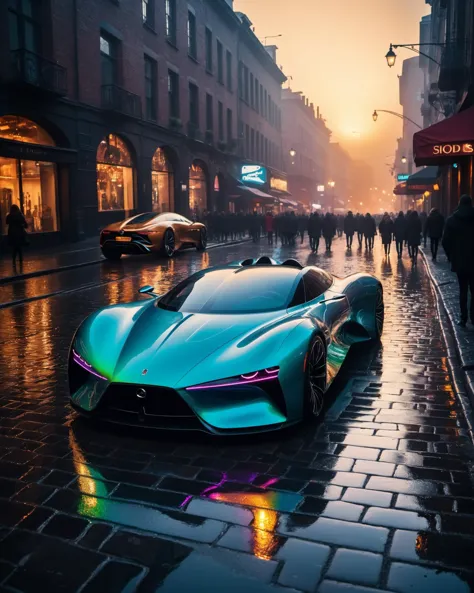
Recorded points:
423,219
329,229
370,230
414,230
400,229
386,230
458,243
360,228
255,227
302,226
269,227
16,233
314,231
434,230
349,228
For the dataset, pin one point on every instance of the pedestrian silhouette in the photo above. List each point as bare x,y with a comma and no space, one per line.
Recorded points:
458,243
349,228
16,233
414,229
434,230
400,231
386,230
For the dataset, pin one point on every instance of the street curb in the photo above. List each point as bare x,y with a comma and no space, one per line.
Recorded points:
462,381
49,271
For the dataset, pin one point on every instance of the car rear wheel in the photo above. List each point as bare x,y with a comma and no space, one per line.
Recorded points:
169,243
379,313
112,254
202,244
316,378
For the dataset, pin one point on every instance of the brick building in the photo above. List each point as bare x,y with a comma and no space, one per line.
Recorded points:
109,107
305,133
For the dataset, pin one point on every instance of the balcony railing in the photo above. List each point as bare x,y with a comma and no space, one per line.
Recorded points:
32,69
118,100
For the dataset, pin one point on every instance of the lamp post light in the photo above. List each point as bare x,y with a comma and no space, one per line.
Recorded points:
375,115
391,57
404,159
292,154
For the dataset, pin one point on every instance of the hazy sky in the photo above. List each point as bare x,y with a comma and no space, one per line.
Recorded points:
335,52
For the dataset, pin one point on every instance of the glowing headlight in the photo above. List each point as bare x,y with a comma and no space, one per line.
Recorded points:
86,366
269,374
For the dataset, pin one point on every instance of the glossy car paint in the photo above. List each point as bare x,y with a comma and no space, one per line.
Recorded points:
144,345
186,233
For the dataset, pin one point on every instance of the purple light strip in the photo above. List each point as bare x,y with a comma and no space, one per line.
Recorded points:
269,482
201,387
87,367
272,371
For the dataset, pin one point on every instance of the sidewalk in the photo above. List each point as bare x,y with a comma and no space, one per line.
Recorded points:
445,283
62,258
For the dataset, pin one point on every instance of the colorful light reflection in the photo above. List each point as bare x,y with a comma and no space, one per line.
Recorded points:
257,377
86,366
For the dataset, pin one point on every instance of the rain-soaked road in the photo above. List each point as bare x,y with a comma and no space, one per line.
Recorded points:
377,496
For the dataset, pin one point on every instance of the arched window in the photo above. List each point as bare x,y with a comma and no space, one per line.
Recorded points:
162,182
30,184
197,188
114,175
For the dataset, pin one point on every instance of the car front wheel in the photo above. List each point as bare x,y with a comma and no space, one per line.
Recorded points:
169,243
202,243
379,313
316,378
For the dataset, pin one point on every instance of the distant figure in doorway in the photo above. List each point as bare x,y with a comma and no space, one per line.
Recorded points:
329,229
315,226
386,230
434,230
458,243
414,230
349,228
400,231
16,233
269,227
370,230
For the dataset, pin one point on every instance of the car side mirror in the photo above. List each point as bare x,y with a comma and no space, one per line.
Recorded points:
147,289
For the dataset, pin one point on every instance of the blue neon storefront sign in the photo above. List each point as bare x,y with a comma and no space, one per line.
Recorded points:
402,177
253,174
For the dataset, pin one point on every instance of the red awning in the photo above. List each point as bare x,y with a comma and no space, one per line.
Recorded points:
445,141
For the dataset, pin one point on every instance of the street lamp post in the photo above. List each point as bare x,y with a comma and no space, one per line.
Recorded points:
271,37
375,116
391,56
332,185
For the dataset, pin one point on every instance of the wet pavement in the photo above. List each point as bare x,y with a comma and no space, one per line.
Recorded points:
377,496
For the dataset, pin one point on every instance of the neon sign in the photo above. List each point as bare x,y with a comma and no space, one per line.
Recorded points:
254,174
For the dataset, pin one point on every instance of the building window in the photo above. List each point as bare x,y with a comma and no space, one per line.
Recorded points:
162,182
229,125
220,63
114,175
228,59
170,20
262,105
257,146
150,88
24,25
197,189
209,60
193,105
108,59
192,39
257,95
31,185
241,80
148,13
246,84
247,141
251,90
252,143
209,113
173,93
265,104
220,120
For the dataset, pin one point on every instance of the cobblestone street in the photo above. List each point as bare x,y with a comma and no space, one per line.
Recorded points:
376,496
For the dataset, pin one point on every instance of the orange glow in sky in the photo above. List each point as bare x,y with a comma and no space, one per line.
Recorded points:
334,50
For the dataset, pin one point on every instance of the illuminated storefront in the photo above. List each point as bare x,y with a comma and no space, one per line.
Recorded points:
29,183
197,188
162,183
115,189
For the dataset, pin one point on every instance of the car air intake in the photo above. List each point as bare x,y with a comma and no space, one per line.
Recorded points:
292,263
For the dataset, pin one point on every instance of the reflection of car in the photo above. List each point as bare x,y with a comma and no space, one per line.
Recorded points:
240,348
152,232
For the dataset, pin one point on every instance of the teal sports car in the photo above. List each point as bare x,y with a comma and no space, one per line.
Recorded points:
246,347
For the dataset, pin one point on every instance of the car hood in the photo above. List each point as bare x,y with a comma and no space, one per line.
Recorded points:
153,346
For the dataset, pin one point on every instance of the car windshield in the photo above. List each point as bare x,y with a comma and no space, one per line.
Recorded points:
143,218
249,290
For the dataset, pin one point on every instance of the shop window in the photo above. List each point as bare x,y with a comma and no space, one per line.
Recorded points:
162,182
24,25
197,189
29,184
114,175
